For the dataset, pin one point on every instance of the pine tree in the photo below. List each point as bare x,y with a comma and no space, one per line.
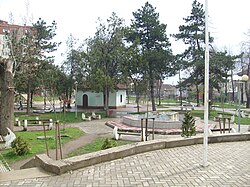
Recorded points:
154,45
188,126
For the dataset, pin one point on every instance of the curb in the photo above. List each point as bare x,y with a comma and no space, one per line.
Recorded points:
67,165
34,172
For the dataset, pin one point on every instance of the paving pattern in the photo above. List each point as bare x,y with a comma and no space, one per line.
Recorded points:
229,165
3,167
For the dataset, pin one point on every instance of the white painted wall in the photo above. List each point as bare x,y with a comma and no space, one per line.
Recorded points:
96,99
119,94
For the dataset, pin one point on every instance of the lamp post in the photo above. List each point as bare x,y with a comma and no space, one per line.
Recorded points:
76,84
206,90
241,80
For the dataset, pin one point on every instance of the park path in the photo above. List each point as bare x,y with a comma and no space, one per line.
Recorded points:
97,128
92,129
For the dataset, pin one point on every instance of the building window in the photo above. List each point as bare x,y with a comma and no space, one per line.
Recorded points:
121,98
6,31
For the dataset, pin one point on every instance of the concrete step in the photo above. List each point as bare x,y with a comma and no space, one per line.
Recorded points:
35,172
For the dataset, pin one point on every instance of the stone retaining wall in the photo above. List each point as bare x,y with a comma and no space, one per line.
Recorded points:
77,162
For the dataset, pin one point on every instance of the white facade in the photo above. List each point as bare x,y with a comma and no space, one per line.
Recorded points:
88,99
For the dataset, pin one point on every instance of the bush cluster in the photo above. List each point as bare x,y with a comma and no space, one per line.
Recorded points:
108,143
20,146
188,126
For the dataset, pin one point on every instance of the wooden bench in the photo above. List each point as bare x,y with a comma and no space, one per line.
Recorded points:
129,133
221,114
118,132
94,116
187,106
37,123
85,118
243,114
214,106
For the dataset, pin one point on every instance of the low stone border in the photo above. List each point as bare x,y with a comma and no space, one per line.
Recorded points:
164,131
77,162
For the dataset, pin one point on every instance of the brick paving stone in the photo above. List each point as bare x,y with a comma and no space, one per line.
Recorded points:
3,167
229,165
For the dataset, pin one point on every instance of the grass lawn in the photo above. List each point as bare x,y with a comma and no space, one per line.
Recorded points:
213,113
67,117
243,121
38,98
97,146
167,105
228,105
38,146
200,114
163,100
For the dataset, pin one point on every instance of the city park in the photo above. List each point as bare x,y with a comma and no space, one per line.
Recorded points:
138,57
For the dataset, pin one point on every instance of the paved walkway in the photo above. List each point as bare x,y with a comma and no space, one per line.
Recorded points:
3,167
229,165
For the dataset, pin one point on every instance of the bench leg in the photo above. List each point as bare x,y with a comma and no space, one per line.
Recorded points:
25,125
116,136
50,124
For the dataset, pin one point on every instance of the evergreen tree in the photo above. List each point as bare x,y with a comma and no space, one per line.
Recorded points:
188,125
193,35
154,46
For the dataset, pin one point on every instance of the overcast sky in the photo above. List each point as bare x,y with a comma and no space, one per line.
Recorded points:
229,19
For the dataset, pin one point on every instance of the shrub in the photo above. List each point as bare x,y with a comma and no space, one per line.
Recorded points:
20,146
108,143
188,125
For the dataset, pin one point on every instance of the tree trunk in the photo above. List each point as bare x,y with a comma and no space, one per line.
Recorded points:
28,99
7,99
180,95
106,100
137,97
152,98
31,98
159,92
128,95
44,99
197,95
70,98
233,87
180,89
225,91
137,103
151,81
